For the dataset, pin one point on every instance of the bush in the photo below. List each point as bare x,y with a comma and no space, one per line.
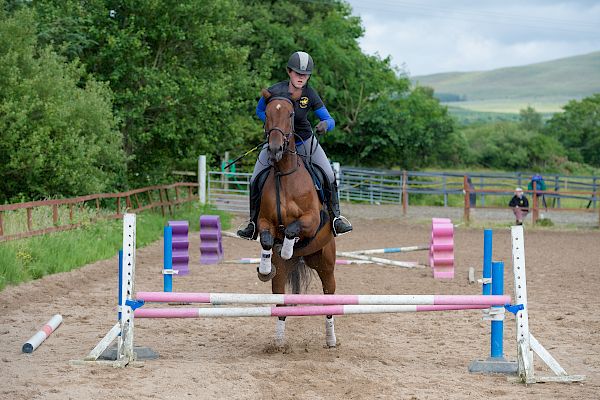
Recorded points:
59,136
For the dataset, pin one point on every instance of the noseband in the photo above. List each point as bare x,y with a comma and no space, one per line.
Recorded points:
286,135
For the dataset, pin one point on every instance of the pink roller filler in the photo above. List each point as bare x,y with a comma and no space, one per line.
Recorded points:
42,334
441,250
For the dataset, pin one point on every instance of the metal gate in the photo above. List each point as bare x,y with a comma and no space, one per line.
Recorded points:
229,191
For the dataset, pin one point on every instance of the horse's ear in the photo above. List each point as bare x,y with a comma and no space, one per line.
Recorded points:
265,94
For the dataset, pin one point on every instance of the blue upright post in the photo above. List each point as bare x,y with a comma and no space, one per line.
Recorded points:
493,283
168,259
496,347
120,281
487,261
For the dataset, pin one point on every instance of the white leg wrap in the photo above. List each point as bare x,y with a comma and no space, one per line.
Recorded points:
288,248
280,332
330,332
265,262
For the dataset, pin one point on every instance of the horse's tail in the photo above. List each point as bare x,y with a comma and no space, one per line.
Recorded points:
299,276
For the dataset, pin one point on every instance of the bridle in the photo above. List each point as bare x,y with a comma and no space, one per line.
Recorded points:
286,135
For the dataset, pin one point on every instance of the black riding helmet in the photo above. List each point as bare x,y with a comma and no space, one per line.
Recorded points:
301,62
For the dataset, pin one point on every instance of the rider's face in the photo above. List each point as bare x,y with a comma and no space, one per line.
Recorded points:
297,80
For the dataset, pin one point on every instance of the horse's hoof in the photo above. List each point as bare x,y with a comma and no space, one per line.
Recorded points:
268,277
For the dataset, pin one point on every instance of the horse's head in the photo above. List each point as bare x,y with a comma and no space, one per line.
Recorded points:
279,126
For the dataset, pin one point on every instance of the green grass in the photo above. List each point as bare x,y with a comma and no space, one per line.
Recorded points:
508,108
566,78
465,116
32,258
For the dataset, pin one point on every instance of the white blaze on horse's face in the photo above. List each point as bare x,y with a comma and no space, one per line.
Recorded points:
278,123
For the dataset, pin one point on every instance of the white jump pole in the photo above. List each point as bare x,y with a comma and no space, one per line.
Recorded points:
37,339
202,179
378,260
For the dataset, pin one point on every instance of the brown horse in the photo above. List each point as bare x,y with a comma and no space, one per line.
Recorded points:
291,214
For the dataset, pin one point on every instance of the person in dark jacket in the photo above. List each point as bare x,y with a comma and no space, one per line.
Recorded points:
519,205
299,68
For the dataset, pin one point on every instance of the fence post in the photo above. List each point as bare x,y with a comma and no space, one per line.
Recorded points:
1,224
467,191
482,195
202,179
336,175
404,192
556,189
445,191
162,201
55,214
29,223
594,187
535,203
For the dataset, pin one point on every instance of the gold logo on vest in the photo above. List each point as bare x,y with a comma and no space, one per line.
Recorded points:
303,102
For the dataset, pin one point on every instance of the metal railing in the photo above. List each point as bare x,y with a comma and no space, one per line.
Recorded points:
229,191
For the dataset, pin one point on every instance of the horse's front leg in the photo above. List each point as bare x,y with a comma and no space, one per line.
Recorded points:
266,270
305,226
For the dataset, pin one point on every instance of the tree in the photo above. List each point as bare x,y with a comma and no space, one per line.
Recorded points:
578,129
59,136
530,119
178,71
506,145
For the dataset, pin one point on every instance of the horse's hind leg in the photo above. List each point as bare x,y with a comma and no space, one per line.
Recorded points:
324,264
278,287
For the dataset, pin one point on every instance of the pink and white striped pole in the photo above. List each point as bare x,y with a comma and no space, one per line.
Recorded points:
326,299
42,334
294,311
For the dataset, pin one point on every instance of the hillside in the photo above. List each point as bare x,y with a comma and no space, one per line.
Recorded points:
549,84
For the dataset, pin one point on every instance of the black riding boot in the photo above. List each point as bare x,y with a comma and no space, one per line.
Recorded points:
340,224
250,232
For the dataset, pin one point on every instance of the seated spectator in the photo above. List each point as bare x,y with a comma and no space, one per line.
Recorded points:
520,205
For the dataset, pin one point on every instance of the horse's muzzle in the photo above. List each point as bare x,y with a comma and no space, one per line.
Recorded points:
275,153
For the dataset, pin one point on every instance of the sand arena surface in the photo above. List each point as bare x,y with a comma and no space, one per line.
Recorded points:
408,356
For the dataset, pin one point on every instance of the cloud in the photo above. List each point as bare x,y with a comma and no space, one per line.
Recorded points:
430,37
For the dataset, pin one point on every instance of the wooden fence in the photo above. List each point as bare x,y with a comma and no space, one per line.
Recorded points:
51,215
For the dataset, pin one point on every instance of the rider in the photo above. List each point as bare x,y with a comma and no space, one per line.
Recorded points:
299,69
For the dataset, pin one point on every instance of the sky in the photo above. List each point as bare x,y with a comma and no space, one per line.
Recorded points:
427,37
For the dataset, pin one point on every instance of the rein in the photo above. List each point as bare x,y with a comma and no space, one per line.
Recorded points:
278,174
